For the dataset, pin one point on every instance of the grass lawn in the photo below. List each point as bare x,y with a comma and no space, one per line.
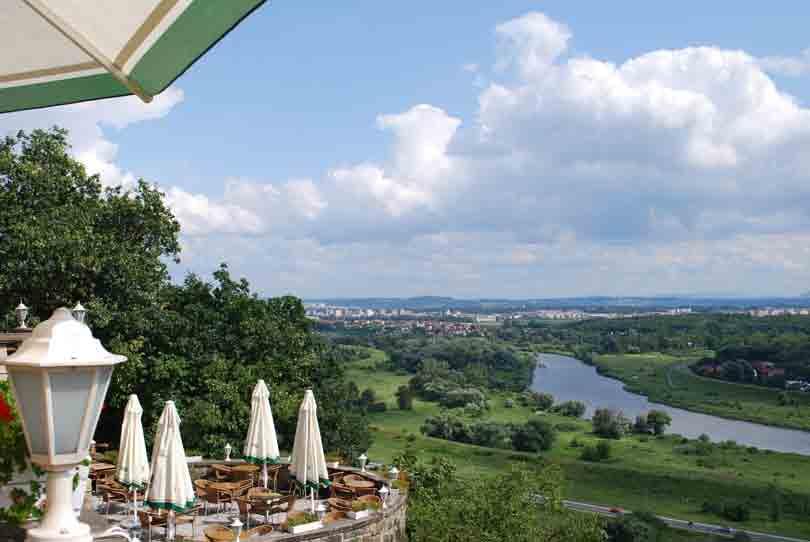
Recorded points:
643,472
667,379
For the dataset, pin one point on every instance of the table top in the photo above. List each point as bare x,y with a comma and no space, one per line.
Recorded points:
101,466
245,468
223,534
359,483
225,486
264,495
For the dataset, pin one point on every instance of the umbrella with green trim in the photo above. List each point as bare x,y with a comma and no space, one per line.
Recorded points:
261,445
170,488
64,51
132,465
308,461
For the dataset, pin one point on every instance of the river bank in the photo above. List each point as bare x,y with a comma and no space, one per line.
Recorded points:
643,472
667,380
570,379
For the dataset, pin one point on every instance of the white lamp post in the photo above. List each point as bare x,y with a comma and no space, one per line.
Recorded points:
236,526
228,451
363,460
79,312
384,494
21,312
59,377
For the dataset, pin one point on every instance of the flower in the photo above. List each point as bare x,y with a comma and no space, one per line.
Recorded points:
6,415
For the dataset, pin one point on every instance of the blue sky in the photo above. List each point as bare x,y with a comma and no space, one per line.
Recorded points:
507,148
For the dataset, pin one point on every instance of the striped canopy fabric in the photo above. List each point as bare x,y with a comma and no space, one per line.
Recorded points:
64,51
261,445
132,468
171,487
308,460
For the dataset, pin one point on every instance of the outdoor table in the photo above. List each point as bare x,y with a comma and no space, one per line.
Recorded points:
365,484
218,533
263,495
99,467
244,472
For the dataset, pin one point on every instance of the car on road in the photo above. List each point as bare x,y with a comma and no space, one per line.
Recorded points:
615,510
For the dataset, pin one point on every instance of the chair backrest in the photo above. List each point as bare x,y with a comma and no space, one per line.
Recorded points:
213,495
282,504
361,491
343,492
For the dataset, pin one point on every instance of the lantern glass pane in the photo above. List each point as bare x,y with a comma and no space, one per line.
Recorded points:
70,391
28,385
102,376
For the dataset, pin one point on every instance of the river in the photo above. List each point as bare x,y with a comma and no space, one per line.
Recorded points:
569,379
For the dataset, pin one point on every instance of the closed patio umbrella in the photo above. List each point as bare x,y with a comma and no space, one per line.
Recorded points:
261,446
132,467
170,488
65,51
308,460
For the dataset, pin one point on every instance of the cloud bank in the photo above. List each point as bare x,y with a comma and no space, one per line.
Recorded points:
674,171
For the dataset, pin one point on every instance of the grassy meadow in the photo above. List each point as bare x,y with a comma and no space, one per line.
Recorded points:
667,379
643,472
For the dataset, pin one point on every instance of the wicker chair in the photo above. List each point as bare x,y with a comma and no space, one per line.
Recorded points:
362,491
343,492
111,495
151,519
334,515
222,473
282,505
216,496
199,488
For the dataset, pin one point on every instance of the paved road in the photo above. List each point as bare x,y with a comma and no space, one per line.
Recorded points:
706,528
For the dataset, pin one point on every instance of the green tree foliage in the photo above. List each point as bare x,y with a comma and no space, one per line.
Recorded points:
609,423
64,238
404,398
658,420
536,400
535,436
496,509
572,409
600,452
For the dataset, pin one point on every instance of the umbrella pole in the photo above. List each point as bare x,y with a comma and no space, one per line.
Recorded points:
135,503
312,501
170,526
264,474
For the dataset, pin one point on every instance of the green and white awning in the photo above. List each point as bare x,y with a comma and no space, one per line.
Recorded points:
64,51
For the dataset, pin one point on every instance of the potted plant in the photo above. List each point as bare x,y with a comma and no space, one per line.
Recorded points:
362,509
302,522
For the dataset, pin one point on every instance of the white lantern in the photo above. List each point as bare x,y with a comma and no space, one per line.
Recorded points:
21,312
59,377
228,451
393,474
236,526
79,312
363,459
383,491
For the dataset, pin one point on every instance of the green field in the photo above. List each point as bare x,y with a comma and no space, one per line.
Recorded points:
667,379
644,472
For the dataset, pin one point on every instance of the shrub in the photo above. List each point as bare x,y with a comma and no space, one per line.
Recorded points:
508,403
600,452
609,423
536,435
537,401
404,398
573,409
566,427
378,406
658,420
